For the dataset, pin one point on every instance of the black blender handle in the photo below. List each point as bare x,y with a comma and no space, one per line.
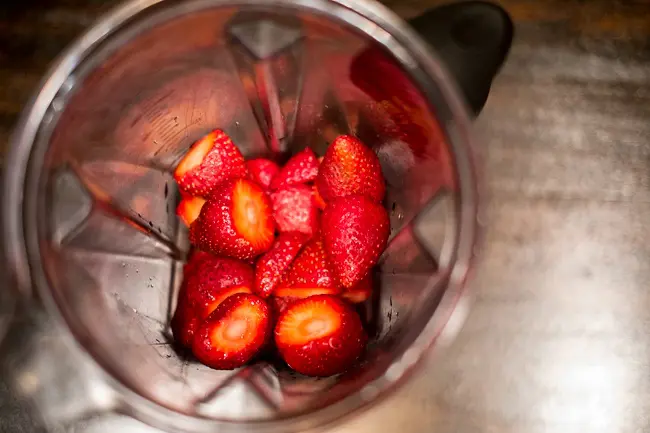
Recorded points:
472,39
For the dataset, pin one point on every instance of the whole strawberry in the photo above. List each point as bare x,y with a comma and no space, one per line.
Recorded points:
236,221
355,232
350,168
211,160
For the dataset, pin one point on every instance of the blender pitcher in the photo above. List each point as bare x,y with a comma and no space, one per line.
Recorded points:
95,248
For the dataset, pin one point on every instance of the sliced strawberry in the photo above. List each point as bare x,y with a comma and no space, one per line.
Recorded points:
320,336
318,199
361,292
208,280
262,171
355,232
211,160
189,209
304,292
295,210
236,221
184,323
301,168
310,270
272,265
234,333
349,168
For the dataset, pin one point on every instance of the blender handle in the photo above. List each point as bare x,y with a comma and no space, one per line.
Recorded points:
472,39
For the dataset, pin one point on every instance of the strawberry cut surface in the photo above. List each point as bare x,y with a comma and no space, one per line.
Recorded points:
189,209
236,221
234,333
209,161
319,336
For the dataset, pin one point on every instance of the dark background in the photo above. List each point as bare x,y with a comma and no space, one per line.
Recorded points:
558,336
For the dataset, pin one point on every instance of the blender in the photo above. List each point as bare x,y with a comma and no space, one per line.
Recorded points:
95,251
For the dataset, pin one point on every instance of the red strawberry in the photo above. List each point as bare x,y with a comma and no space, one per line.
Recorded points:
301,168
208,280
320,336
272,265
184,323
361,292
236,221
309,273
211,160
295,210
355,232
349,168
234,333
294,293
318,199
262,171
189,209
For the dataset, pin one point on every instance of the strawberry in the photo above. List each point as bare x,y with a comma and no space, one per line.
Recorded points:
236,221
184,323
309,273
301,168
355,232
234,333
320,336
211,160
361,292
208,280
294,209
189,209
318,199
272,265
262,171
348,168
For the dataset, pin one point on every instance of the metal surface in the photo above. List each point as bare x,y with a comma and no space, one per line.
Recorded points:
557,339
89,184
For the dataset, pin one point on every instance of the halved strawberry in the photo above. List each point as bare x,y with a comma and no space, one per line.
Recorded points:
234,333
304,292
361,292
262,171
212,279
320,336
211,160
185,322
318,199
355,231
272,265
295,210
301,168
309,273
236,221
350,167
189,209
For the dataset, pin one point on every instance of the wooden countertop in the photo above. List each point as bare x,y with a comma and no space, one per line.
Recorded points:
558,338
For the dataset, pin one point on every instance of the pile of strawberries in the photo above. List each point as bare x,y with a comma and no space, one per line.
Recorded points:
280,254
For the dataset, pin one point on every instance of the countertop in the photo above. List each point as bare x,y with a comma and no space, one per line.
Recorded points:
558,336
